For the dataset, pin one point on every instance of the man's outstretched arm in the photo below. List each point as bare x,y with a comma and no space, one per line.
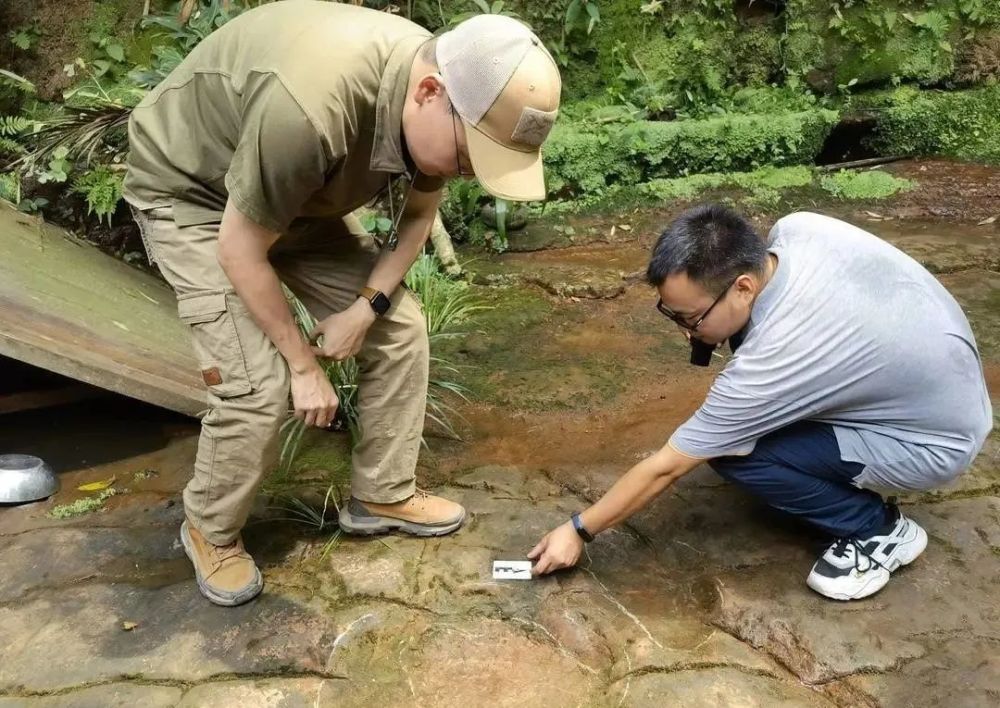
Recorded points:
561,547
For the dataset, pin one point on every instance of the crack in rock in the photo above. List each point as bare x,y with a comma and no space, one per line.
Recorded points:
139,680
624,610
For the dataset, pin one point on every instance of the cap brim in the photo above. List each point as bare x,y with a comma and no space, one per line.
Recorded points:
505,173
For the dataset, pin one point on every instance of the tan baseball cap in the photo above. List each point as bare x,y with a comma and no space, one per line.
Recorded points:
505,87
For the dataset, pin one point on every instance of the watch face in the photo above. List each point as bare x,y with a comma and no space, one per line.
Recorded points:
381,304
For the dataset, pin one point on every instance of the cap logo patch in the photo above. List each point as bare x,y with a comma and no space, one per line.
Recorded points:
533,127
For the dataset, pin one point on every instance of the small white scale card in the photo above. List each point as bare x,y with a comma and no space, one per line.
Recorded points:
512,570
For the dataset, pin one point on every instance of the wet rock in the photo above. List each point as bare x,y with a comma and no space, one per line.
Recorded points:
820,640
690,643
577,626
578,283
372,570
111,695
538,237
134,509
496,280
460,665
180,636
265,693
711,687
956,671
60,556
817,647
414,658
511,482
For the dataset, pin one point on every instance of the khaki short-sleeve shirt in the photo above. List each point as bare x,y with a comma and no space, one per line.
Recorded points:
290,110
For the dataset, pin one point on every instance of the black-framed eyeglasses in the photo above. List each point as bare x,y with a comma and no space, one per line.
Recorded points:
679,319
458,160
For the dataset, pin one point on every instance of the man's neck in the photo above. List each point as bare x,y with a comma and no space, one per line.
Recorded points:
771,266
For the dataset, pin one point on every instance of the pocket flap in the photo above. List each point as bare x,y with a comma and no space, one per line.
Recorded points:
187,214
205,307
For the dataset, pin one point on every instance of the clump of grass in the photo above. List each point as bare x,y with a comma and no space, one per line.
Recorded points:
446,303
297,511
144,474
874,184
84,505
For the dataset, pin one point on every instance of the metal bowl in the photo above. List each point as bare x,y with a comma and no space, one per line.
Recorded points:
25,478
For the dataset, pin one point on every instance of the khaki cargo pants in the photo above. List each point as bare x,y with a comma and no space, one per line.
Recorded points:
325,263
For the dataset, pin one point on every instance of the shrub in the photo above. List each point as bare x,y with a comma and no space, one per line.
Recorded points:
963,124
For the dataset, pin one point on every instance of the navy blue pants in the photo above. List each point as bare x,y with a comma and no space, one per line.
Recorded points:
798,470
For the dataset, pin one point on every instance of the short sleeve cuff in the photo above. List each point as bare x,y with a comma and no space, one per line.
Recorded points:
251,210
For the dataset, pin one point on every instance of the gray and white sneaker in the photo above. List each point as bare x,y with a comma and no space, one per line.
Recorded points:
853,568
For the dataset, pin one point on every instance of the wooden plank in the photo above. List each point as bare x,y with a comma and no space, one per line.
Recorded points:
46,397
68,308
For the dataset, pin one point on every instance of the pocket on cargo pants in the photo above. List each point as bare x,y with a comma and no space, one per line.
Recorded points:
216,342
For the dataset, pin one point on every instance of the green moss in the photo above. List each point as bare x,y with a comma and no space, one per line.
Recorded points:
876,43
963,124
82,506
869,185
583,161
764,185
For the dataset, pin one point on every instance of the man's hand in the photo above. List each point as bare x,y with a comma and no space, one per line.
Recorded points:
561,548
313,396
343,332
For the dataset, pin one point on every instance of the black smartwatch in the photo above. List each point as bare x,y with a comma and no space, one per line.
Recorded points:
580,529
377,299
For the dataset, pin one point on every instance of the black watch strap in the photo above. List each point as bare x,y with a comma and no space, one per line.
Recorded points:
580,529
377,299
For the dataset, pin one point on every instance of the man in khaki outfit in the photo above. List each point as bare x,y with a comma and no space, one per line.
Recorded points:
245,166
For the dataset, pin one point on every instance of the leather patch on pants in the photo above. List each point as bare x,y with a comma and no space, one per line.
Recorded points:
212,377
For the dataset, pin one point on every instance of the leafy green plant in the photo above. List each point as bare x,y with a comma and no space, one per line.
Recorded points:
25,37
58,167
497,7
102,188
108,54
584,14
12,131
377,225
873,184
446,303
460,209
10,187
181,38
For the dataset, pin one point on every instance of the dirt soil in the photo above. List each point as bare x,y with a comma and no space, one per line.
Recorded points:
699,600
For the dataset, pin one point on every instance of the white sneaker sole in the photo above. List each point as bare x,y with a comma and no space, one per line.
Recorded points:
874,580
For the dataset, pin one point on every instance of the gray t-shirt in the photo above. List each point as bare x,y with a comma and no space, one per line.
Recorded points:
852,332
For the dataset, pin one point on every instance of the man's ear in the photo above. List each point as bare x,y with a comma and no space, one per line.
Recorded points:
429,88
746,284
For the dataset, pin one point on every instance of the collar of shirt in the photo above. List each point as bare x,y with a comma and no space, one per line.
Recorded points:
388,153
771,292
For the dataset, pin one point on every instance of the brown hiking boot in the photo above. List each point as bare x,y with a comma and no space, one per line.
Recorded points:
226,574
422,514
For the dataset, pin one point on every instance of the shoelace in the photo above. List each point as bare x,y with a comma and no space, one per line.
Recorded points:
224,553
840,548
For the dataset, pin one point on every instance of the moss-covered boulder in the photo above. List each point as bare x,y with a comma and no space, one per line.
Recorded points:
963,124
586,160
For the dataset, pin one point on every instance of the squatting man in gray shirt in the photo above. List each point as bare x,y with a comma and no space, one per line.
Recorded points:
854,370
